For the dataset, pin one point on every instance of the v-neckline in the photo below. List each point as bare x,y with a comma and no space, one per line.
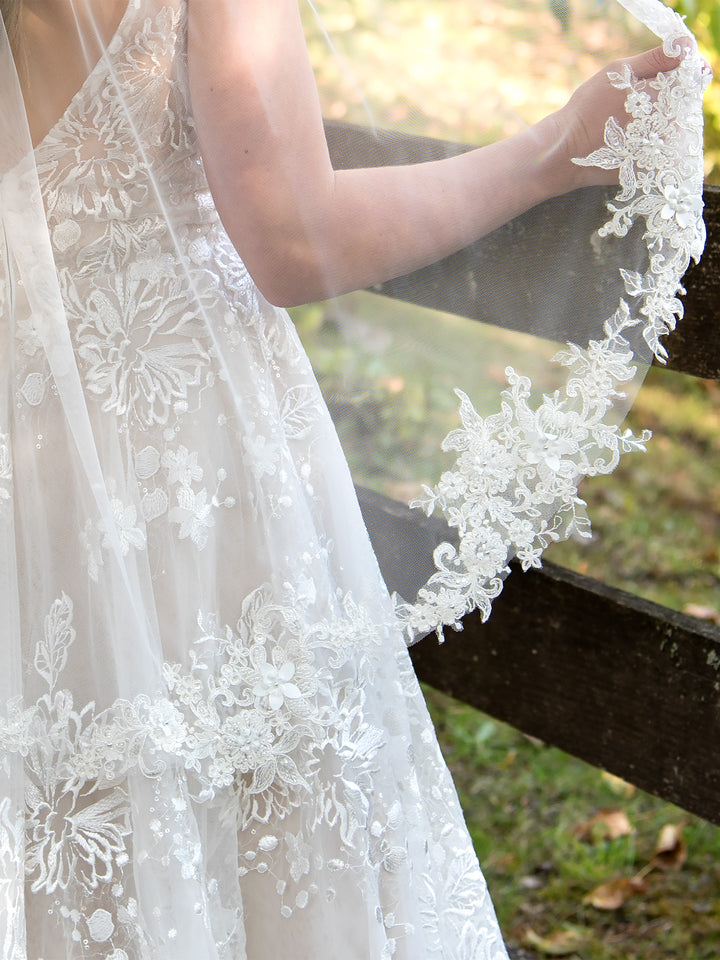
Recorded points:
99,65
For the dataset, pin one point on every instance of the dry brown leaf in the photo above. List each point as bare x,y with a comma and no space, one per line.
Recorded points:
508,761
559,943
508,861
702,613
615,893
605,825
671,849
618,786
530,882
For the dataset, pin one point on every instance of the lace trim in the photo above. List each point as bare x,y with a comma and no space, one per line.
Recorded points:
514,487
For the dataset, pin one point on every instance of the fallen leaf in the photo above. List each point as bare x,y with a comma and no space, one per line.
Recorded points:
671,849
615,893
559,943
605,825
530,882
508,861
508,761
618,786
702,613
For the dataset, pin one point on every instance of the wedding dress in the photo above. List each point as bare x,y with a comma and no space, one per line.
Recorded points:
213,743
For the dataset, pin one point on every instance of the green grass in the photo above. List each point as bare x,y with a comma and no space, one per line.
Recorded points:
656,521
522,800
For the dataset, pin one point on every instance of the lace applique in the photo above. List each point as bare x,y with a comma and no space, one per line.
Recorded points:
269,721
127,533
141,347
12,856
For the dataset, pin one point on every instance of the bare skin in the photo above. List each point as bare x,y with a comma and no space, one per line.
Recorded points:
307,232
304,231
57,61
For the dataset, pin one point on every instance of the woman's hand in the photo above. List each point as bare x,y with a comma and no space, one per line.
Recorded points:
579,127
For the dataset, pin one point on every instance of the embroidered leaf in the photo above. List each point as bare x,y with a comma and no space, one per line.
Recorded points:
263,776
299,409
614,135
51,652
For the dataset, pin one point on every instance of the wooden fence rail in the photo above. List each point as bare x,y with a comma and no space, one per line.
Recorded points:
625,684
495,279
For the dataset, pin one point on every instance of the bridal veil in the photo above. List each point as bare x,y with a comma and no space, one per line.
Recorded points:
195,685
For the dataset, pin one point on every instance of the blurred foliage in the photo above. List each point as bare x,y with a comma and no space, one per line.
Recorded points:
456,70
703,18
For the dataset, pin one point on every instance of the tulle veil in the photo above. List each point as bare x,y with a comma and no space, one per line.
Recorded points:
494,449
506,425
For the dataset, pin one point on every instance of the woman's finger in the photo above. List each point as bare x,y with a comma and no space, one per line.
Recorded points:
652,62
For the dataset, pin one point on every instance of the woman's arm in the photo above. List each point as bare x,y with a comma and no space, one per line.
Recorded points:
306,232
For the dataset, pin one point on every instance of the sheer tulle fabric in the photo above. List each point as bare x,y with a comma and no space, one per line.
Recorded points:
213,744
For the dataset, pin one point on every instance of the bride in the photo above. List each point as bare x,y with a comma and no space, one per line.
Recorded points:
213,744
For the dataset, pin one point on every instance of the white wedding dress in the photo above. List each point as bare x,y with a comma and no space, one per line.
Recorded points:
212,742
222,746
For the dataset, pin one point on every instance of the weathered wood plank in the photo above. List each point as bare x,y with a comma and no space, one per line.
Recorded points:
517,275
623,683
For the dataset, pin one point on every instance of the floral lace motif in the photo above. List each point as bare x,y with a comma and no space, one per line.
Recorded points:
514,487
270,724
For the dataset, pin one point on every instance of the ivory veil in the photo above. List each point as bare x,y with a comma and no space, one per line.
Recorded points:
212,743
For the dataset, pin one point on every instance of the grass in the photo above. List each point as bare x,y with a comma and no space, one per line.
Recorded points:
656,521
522,801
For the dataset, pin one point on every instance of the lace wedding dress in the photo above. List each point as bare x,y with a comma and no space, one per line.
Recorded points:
212,742
246,767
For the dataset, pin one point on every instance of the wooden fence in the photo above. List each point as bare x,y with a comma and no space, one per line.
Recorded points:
596,671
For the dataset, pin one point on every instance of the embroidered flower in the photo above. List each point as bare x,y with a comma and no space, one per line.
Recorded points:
298,854
188,852
182,466
275,684
247,741
141,350
193,514
166,727
263,455
104,181
73,839
129,535
26,332
681,203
